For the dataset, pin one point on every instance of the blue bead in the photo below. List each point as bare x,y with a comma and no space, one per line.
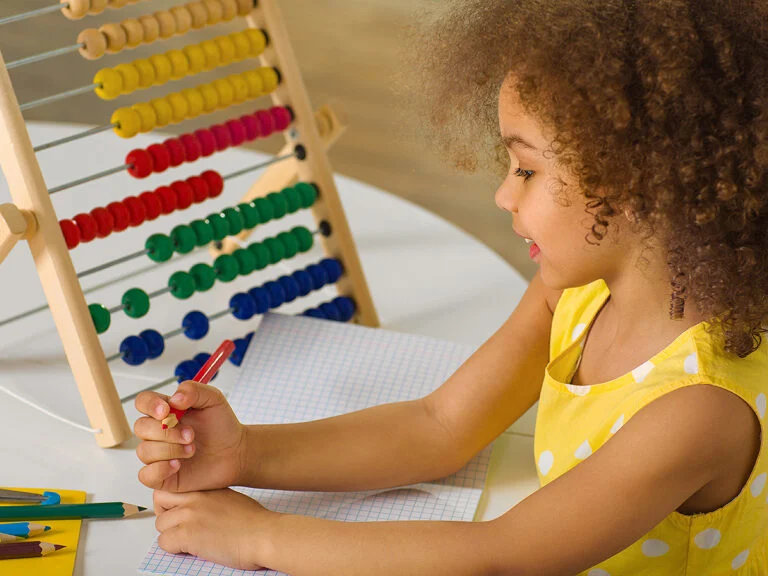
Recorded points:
243,306
134,350
319,275
241,345
195,325
333,268
276,293
155,343
186,370
249,337
331,311
346,307
304,281
290,287
314,313
261,297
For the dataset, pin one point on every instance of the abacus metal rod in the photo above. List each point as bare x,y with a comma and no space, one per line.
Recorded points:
114,262
165,382
90,178
59,96
44,56
33,13
259,166
74,137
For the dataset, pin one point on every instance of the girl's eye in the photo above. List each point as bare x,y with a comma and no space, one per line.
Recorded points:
526,174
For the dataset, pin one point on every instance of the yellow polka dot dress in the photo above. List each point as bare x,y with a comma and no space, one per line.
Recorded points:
574,421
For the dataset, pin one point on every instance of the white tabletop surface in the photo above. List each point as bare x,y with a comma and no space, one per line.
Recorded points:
426,276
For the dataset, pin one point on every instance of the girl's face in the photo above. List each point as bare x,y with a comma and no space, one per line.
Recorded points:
546,207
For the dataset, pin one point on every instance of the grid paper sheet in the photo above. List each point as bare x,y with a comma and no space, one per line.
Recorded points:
299,369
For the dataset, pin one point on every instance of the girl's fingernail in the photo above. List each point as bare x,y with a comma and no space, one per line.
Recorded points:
175,463
188,448
176,398
159,410
187,435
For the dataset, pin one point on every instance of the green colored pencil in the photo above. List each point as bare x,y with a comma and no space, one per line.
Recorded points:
69,511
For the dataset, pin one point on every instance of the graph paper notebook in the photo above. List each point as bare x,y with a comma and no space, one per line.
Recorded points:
299,369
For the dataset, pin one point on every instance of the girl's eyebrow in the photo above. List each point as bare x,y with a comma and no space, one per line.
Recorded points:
513,139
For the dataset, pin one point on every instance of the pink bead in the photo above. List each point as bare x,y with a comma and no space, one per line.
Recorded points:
236,132
207,142
221,134
251,127
282,117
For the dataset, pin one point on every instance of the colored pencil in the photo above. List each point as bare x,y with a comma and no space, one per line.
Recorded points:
23,529
6,538
18,496
29,549
69,511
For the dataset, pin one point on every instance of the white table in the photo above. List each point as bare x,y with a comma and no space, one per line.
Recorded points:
426,276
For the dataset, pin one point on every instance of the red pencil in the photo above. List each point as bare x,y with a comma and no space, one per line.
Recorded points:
204,375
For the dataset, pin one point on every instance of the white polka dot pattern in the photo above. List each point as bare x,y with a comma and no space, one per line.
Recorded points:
740,560
691,364
579,390
598,572
546,460
758,484
618,424
578,329
584,451
654,548
642,371
760,402
707,539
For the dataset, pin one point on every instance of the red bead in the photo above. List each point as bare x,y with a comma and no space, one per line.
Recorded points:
167,198
120,215
87,226
105,222
175,151
141,162
152,205
223,141
215,182
161,157
251,127
281,116
266,123
207,141
236,132
71,233
184,195
192,149
136,210
199,189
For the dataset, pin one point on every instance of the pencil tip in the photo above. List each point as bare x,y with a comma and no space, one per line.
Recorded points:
59,546
142,508
46,528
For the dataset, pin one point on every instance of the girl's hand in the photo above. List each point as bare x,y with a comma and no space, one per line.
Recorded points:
222,526
206,450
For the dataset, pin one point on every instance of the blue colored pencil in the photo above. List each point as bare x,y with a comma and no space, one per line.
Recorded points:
23,529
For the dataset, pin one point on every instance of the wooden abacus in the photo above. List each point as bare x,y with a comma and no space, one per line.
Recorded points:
303,160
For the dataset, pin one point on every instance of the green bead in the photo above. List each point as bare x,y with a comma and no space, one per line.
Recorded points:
308,193
304,238
246,261
250,214
204,277
136,303
292,199
265,208
261,253
234,219
182,285
276,250
291,244
183,239
160,248
219,225
203,232
278,203
226,267
101,317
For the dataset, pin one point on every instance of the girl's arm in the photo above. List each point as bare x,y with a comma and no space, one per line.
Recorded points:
409,442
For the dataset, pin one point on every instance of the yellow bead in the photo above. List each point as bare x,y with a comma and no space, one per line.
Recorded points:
239,87
196,58
147,76
179,107
226,93
227,49
270,78
195,102
255,83
163,111
111,83
127,122
131,77
210,96
179,64
258,41
242,45
212,54
148,116
163,68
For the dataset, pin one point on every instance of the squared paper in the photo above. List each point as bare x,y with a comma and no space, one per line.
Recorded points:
299,369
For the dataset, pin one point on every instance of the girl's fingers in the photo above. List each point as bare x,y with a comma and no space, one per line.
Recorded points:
152,404
154,475
148,428
150,452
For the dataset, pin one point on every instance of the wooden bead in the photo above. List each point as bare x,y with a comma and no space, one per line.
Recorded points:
134,32
195,102
94,43
196,58
198,13
148,116
179,107
239,87
98,6
116,4
227,49
128,122
242,45
77,8
115,35
162,66
147,76
210,97
179,64
215,13
166,23
244,7
111,83
130,75
151,28
228,9
163,111
212,54
183,19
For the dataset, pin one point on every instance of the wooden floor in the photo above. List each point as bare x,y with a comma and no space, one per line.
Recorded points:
348,50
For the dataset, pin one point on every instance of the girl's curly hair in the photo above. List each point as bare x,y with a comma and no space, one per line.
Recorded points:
659,108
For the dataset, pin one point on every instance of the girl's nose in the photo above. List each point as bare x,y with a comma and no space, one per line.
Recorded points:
505,197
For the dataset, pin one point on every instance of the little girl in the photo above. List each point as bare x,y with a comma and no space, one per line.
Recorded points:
636,152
